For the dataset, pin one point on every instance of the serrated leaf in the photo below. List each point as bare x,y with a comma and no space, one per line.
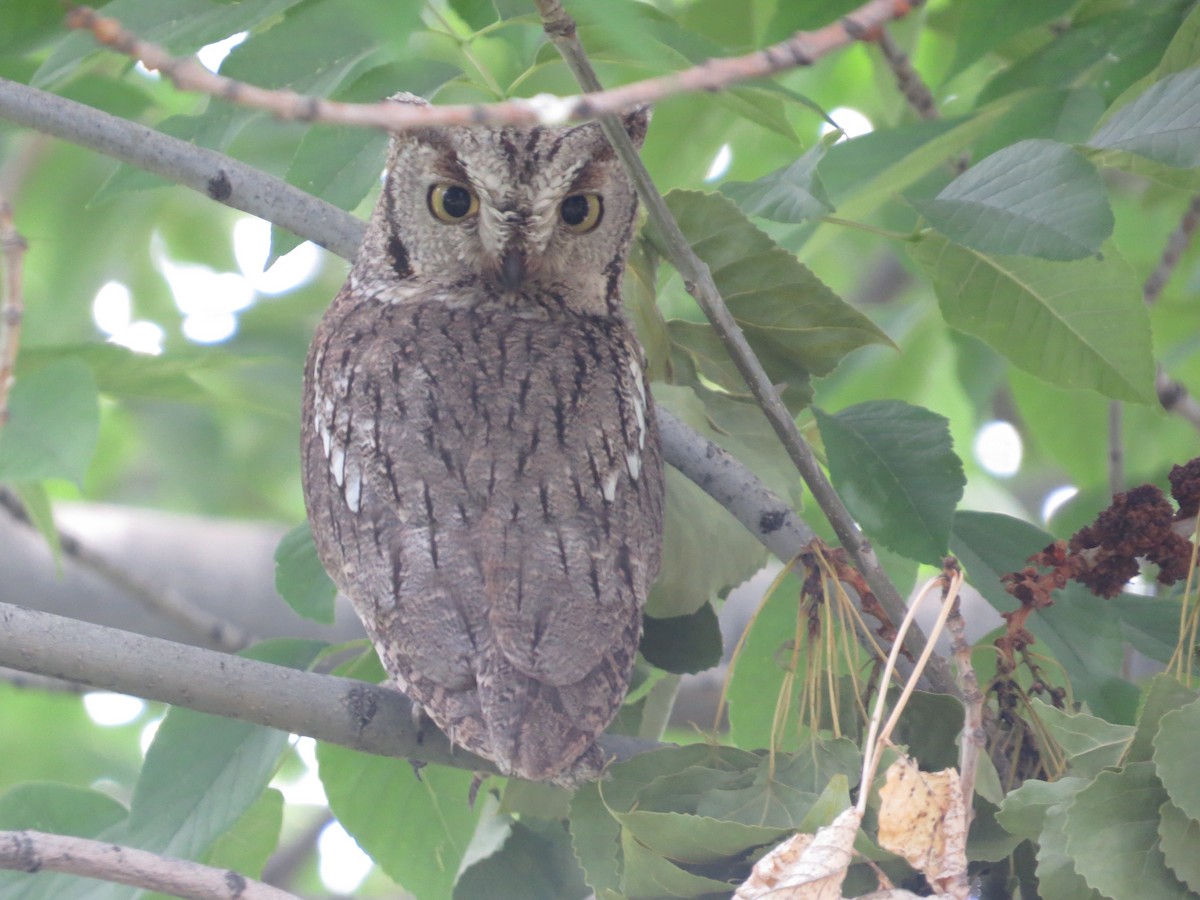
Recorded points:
1089,743
796,325
1163,124
1175,757
596,839
1162,695
416,826
1056,873
1079,325
1033,198
300,578
1024,809
647,875
790,194
535,863
53,424
1112,835
894,466
1179,837
684,644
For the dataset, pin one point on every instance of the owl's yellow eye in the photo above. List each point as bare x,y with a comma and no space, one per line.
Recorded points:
581,212
452,203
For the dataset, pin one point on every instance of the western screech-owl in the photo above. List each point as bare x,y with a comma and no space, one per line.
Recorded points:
480,460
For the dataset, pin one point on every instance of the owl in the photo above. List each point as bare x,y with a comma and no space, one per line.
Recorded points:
480,460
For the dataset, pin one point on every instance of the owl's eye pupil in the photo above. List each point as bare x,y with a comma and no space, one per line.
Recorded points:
581,212
456,201
575,209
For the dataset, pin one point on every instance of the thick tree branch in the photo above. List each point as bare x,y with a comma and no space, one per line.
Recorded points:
801,49
37,851
699,283
210,173
343,711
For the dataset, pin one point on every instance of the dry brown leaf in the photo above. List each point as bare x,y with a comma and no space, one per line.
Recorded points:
806,867
923,819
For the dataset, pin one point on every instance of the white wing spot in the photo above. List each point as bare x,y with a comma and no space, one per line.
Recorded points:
609,489
639,402
337,464
633,460
353,489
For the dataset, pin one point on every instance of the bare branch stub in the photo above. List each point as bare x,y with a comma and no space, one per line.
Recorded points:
12,302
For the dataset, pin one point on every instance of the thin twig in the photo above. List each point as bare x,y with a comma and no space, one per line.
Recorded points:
1172,395
37,851
908,80
12,302
801,49
1116,447
354,714
699,283
209,630
1177,243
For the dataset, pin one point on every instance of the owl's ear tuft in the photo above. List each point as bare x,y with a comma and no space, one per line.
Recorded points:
636,122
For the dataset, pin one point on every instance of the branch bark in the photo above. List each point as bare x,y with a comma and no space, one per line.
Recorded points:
801,49
37,851
343,711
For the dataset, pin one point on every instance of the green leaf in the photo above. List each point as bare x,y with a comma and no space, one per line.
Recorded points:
246,847
53,424
300,578
1034,198
1057,875
784,791
1175,757
415,826
795,324
790,194
1024,809
894,466
983,27
59,809
1112,834
1090,744
203,772
686,644
1162,695
535,863
1150,624
36,501
647,875
1179,837
596,840
1077,325
1163,124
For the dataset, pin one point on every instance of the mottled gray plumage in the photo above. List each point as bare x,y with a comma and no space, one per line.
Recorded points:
480,460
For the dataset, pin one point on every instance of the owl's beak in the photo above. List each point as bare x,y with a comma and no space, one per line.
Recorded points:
512,268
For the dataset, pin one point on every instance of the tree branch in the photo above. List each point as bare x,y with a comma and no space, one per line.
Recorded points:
12,304
343,711
699,283
37,851
801,49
